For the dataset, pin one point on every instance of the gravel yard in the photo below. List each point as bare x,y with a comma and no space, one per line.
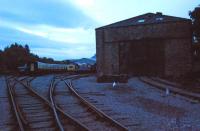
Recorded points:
41,84
135,104
142,106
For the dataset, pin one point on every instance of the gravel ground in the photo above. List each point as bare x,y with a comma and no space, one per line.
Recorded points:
70,104
41,84
140,106
135,104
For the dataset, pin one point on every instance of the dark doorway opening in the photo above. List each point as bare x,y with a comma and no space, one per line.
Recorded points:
146,57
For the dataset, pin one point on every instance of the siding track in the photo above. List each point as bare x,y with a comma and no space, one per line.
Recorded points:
34,112
71,102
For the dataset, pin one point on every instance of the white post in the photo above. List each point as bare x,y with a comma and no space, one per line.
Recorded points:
167,92
114,84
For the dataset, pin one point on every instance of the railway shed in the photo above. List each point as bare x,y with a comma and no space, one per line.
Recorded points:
151,44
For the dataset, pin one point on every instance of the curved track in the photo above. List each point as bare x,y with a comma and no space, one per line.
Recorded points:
71,102
19,123
33,112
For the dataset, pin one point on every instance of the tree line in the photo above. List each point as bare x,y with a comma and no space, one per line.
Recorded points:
17,55
195,17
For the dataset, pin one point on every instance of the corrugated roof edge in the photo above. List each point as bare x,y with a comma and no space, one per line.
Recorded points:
175,19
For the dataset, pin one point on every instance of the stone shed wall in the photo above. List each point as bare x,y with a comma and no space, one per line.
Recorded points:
178,59
176,36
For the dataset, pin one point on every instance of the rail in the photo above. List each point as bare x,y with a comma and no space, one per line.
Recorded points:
173,89
53,105
14,104
100,113
28,86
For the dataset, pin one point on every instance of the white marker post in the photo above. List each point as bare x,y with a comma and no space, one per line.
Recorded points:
114,84
167,92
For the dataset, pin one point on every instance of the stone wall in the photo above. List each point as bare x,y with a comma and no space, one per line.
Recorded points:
176,37
111,61
178,55
100,52
165,30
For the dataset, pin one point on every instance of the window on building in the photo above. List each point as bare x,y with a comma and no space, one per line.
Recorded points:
141,20
159,19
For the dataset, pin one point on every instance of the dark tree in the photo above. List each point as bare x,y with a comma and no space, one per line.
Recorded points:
47,60
16,55
1,52
67,61
1,58
27,49
195,16
34,57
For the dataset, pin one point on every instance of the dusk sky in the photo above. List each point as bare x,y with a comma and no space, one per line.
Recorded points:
65,29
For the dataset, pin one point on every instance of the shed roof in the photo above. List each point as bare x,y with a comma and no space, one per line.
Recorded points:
148,18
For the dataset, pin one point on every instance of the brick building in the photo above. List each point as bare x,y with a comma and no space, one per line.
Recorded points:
149,44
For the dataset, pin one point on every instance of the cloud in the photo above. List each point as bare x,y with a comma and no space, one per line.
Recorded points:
65,28
77,35
52,28
65,35
65,53
84,3
109,11
37,33
50,41
48,12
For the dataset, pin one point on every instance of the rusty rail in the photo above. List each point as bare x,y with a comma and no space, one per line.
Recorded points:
76,122
53,105
173,89
14,105
92,107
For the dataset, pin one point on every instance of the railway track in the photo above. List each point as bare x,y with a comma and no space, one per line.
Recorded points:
18,125
34,112
71,102
173,88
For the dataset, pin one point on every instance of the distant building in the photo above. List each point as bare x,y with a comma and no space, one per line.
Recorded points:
149,44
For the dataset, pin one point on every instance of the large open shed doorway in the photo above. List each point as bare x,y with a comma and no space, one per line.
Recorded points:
146,57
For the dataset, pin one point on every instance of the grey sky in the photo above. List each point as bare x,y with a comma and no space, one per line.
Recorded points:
64,29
